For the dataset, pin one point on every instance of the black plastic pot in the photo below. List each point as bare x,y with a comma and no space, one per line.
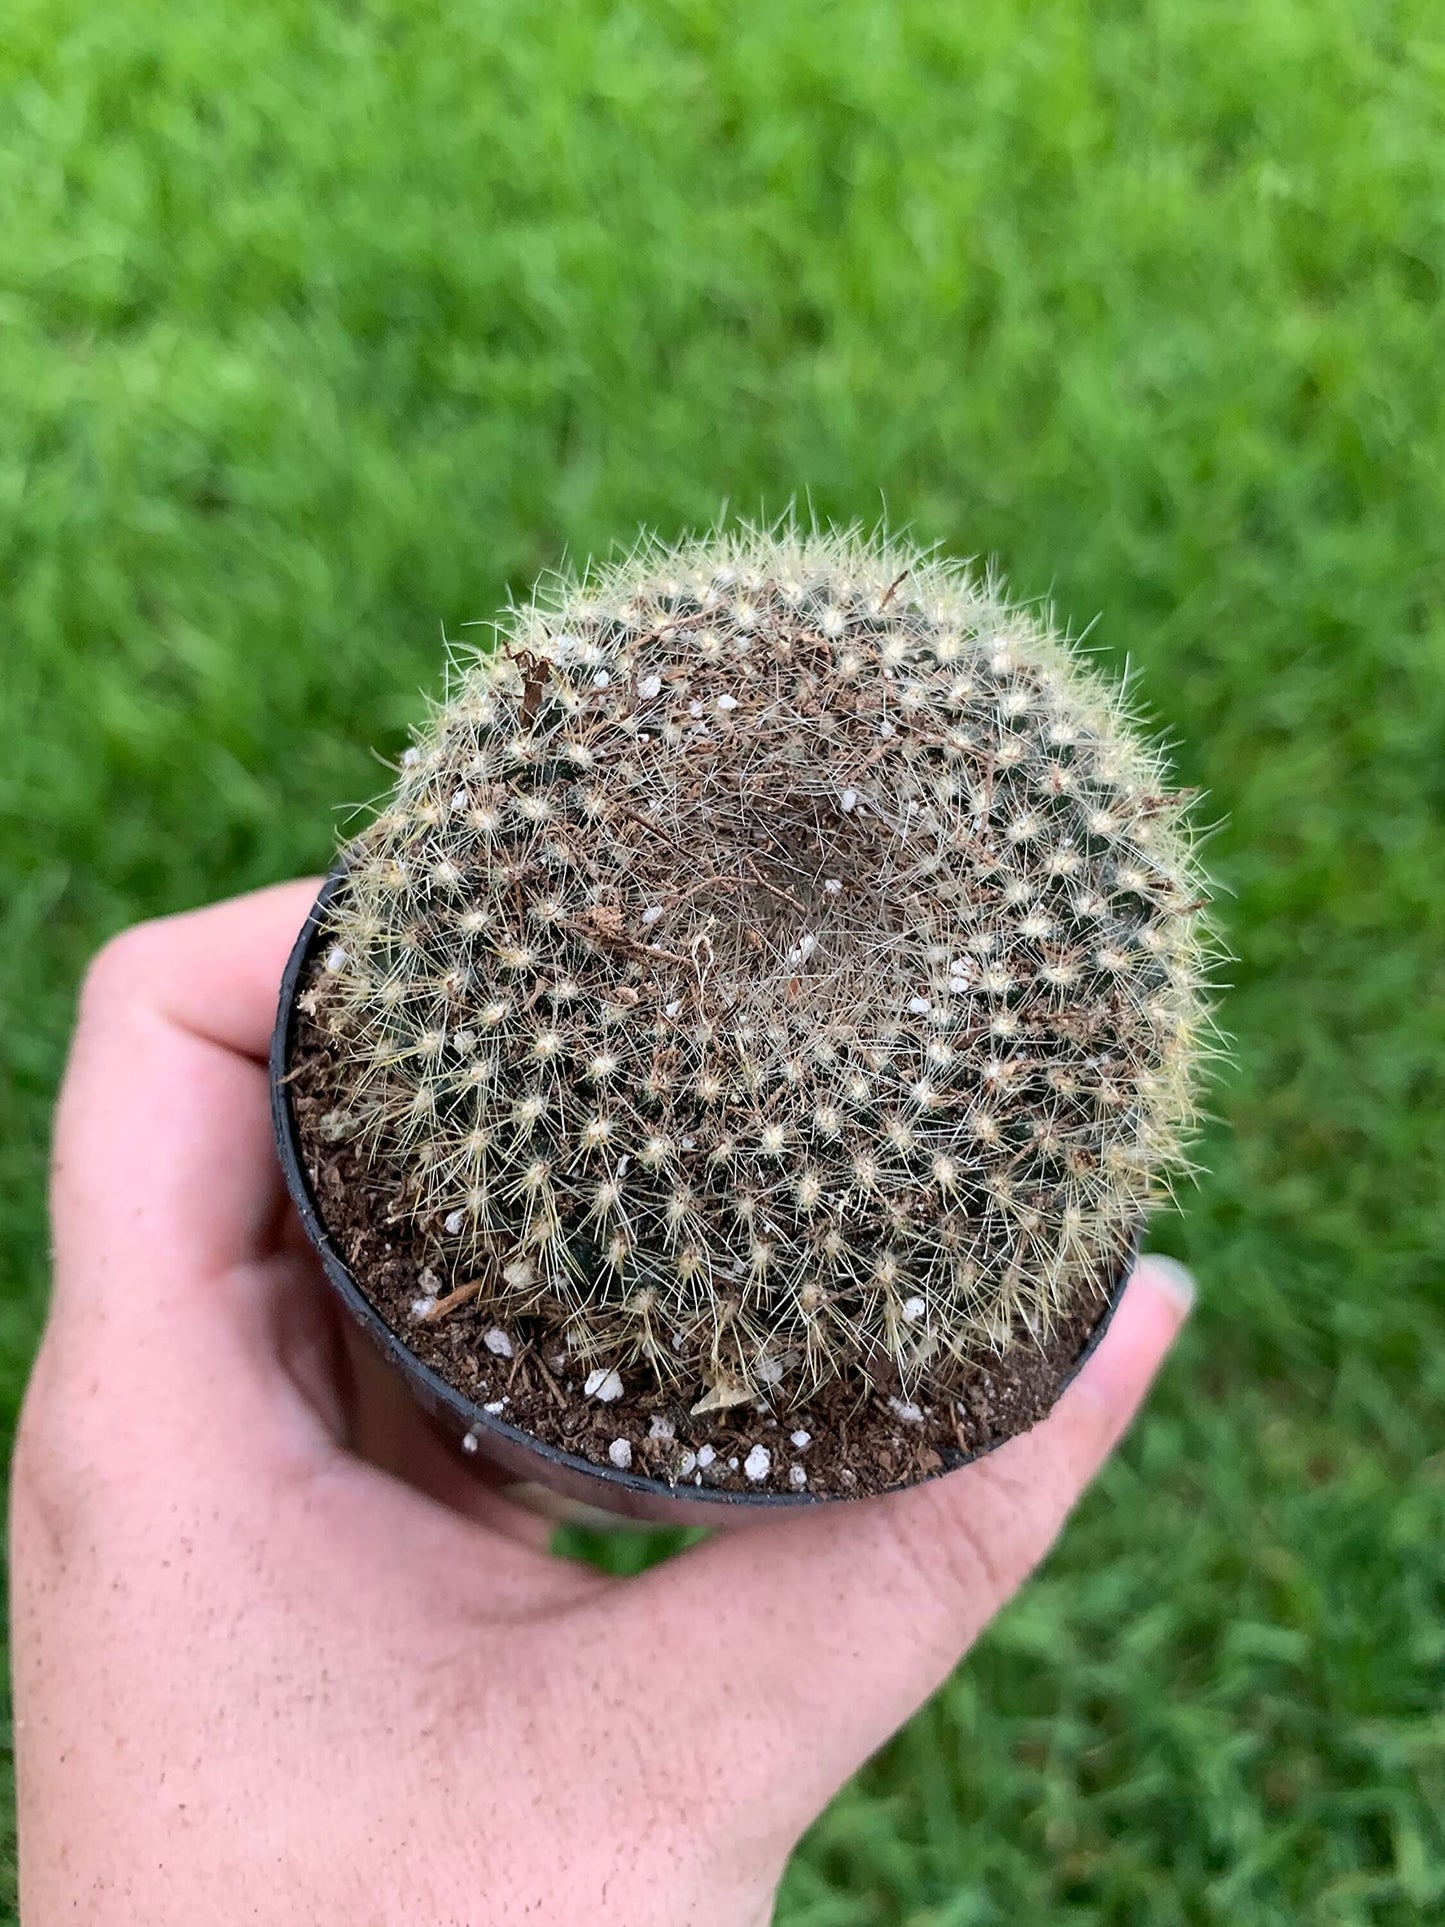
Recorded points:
476,1434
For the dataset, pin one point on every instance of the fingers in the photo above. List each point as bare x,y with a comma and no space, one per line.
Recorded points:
163,1165
165,1190
817,1637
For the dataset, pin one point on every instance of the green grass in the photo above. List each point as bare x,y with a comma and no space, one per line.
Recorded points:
321,327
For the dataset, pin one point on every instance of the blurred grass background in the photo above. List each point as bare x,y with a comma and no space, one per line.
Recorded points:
321,327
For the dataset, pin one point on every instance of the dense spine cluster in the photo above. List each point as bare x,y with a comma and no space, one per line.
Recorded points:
780,958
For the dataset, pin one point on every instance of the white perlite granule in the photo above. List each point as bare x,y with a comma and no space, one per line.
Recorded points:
797,1477
497,1342
758,1464
603,1384
620,1453
802,1439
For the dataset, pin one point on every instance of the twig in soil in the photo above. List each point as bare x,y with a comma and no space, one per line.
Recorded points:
547,1379
453,1301
774,889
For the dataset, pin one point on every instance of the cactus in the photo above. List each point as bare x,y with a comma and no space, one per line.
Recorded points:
780,958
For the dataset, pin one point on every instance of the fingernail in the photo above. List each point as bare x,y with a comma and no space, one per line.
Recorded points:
1174,1279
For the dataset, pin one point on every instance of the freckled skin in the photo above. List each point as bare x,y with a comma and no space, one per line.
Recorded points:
261,1675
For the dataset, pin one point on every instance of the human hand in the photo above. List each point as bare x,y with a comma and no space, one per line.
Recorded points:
260,1677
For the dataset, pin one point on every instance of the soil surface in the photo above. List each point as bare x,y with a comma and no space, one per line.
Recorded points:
855,1439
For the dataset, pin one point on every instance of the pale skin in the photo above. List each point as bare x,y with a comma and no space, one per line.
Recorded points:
259,1676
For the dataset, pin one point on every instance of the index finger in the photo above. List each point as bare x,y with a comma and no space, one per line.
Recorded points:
163,1169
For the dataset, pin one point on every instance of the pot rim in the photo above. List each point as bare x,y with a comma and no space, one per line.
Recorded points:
630,1493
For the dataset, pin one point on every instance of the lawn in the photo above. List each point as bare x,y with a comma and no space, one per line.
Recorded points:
322,328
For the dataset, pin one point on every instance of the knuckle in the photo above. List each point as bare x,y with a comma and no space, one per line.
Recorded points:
1080,1433
53,1473
120,969
965,1550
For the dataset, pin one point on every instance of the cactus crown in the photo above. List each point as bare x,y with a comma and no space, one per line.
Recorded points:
779,958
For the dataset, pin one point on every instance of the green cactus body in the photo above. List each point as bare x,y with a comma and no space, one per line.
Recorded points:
780,959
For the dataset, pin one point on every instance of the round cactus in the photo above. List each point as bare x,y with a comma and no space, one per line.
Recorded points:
780,959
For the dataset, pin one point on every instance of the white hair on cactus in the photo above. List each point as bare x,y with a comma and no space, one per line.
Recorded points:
862,906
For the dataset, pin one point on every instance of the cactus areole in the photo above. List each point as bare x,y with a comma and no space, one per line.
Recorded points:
766,1008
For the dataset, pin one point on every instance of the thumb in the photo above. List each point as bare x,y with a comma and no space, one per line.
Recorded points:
824,1634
